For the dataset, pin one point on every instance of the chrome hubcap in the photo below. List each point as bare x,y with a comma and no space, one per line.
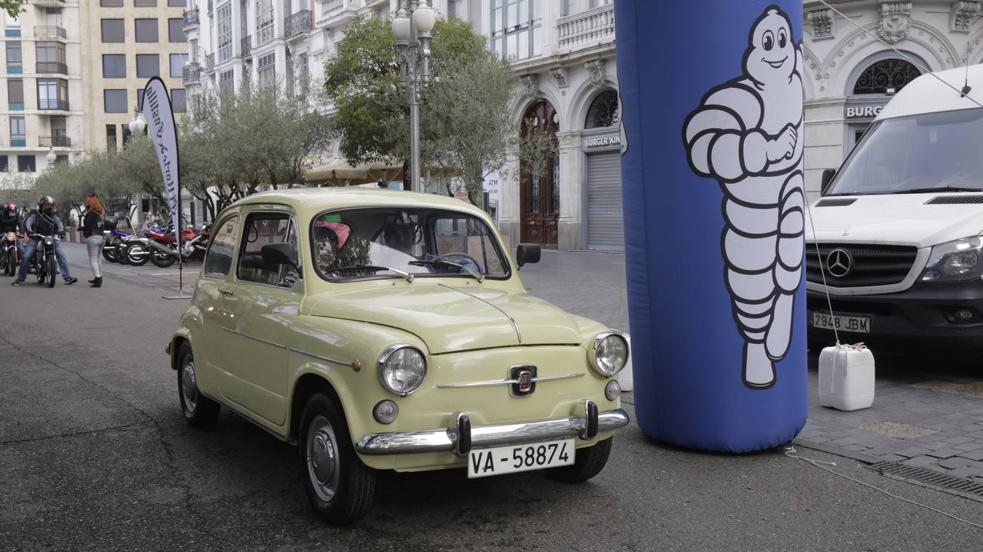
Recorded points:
189,386
322,459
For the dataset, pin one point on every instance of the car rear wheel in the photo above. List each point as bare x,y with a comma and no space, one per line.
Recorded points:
339,486
199,410
588,463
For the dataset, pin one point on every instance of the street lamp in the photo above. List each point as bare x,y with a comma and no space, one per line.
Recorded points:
138,124
411,27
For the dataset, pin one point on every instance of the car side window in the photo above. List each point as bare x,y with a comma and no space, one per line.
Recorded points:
218,260
262,229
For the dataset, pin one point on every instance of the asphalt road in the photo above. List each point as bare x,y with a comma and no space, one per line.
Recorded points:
94,455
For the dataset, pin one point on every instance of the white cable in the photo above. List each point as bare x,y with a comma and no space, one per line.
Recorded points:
922,66
790,452
822,271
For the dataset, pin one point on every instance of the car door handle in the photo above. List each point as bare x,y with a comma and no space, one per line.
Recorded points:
226,292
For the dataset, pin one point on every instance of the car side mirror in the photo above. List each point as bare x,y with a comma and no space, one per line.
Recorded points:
276,254
827,178
526,253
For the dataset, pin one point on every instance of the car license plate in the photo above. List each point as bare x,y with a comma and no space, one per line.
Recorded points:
519,458
843,322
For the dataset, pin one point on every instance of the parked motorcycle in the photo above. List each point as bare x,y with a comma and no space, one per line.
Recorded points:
8,254
112,238
44,262
134,249
163,247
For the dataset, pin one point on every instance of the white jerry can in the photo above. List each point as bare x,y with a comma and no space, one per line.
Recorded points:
846,377
625,377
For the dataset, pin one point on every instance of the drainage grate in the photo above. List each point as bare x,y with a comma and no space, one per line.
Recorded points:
930,478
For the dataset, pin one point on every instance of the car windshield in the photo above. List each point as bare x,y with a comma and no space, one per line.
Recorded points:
921,153
356,244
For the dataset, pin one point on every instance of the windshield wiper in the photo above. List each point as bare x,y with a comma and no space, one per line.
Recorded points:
929,190
409,277
477,275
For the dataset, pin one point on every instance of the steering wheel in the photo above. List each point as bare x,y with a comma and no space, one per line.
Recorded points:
462,259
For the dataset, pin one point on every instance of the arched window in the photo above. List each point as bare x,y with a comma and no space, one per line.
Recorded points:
604,111
885,74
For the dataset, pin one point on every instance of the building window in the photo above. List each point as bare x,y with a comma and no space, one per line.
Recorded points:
4,166
178,61
564,8
53,94
517,28
604,110
59,132
114,66
264,21
61,159
179,100
144,3
114,101
148,65
175,30
26,163
452,9
113,31
886,74
266,70
18,131
225,32
305,72
15,58
146,30
177,3
111,3
15,94
140,99
125,129
225,80
111,144
51,57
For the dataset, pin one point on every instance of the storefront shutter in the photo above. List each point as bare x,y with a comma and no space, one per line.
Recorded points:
605,221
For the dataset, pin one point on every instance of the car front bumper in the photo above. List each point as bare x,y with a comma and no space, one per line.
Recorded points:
462,437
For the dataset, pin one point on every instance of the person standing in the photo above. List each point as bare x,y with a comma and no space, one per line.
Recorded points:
46,222
92,225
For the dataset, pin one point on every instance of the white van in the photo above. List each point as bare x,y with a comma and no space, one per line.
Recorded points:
900,225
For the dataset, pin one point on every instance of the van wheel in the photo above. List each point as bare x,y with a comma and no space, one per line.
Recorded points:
199,410
588,463
339,486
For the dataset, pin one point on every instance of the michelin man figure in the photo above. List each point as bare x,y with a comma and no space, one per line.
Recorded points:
747,134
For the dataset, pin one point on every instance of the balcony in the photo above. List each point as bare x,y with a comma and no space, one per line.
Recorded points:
52,68
53,105
585,29
49,3
191,18
191,74
332,5
246,46
57,141
50,32
297,23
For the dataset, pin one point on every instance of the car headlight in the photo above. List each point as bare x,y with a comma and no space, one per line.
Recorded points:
402,369
955,261
607,354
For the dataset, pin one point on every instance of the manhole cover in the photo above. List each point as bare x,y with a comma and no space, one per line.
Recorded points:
898,430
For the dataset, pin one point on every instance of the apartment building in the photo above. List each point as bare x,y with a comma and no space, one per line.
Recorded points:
125,43
41,88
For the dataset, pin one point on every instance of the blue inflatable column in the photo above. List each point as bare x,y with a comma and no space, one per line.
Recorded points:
714,212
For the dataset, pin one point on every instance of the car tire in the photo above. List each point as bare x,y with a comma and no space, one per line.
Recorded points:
199,410
588,463
340,492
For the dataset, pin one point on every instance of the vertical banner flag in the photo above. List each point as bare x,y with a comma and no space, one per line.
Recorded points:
714,200
163,135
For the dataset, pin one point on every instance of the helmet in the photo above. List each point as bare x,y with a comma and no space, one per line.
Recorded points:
10,206
46,200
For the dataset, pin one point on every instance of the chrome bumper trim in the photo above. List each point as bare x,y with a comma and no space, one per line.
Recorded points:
445,440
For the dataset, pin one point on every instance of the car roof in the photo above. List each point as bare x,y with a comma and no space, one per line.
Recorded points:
310,201
936,92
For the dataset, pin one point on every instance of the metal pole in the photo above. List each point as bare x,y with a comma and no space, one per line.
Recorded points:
413,51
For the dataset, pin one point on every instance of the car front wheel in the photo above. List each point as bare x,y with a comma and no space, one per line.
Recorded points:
588,463
199,410
339,486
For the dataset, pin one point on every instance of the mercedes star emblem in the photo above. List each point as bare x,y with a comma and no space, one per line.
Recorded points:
839,262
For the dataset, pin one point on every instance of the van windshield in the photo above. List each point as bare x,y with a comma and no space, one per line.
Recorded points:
920,153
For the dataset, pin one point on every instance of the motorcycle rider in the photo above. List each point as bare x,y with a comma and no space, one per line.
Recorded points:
46,222
10,222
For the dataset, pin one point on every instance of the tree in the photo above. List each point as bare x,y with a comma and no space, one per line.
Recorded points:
536,147
12,7
464,120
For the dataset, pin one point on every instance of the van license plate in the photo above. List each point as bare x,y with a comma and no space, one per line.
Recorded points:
519,458
842,322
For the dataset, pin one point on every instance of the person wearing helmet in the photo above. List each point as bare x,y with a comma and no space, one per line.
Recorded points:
10,223
43,221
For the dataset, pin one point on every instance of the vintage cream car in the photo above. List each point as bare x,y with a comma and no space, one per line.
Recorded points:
388,330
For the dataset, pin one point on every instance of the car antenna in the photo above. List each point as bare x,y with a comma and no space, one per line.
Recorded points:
966,87
921,66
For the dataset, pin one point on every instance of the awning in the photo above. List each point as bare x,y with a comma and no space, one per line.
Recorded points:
339,171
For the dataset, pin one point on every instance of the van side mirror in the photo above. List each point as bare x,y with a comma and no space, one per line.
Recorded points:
276,254
827,177
526,253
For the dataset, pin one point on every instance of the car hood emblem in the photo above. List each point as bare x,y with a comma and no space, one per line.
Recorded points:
839,262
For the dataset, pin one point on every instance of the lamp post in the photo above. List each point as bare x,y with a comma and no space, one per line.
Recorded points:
411,27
